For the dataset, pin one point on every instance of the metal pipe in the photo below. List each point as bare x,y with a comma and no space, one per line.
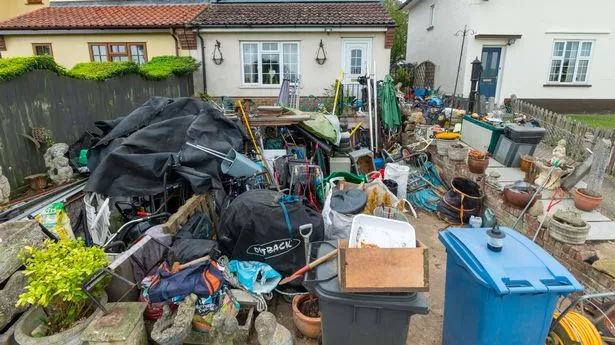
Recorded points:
174,35
376,127
369,110
204,74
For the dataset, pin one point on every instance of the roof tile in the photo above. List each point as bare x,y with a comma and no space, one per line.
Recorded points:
295,14
105,17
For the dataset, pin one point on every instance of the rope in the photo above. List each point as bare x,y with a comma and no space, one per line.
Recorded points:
577,328
287,199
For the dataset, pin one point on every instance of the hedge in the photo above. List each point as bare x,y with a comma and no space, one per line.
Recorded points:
158,68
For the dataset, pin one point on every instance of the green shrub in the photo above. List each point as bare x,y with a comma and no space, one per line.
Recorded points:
55,274
102,70
162,67
158,68
14,67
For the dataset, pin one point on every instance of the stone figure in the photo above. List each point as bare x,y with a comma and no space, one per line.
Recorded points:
5,188
224,329
270,332
172,329
9,296
58,169
559,152
554,181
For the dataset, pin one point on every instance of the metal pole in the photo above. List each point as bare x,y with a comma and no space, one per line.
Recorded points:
376,126
463,33
369,110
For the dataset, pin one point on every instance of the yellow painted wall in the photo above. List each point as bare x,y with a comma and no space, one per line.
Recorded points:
69,50
14,8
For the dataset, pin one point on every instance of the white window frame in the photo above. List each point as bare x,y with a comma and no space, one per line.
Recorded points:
280,51
576,64
432,16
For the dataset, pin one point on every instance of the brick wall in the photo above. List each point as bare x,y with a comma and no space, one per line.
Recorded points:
571,256
389,38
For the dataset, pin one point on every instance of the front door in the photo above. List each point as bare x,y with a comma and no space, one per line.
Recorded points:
355,57
491,69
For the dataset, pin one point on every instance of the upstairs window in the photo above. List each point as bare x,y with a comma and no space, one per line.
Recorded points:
570,61
268,63
432,16
108,52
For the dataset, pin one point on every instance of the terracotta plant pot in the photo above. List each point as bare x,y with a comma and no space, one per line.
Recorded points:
37,182
518,198
478,166
308,326
525,163
586,200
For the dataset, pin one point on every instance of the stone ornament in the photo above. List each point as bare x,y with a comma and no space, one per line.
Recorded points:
270,332
57,164
5,188
224,329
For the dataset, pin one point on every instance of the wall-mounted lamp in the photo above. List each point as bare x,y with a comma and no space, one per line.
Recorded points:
217,56
511,41
321,55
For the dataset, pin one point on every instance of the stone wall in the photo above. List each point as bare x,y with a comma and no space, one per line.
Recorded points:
573,257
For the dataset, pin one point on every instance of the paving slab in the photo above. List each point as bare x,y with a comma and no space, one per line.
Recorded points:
507,174
495,164
601,231
593,216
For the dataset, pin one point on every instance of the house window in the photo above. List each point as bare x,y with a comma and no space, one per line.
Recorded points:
356,57
104,52
34,2
432,16
268,63
42,49
570,61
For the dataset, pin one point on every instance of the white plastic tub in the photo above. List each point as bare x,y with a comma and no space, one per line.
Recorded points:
381,232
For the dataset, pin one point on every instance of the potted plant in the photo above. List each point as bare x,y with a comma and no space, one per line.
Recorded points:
587,200
444,140
478,161
55,274
306,315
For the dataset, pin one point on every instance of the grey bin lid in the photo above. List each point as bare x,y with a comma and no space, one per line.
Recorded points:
349,201
324,282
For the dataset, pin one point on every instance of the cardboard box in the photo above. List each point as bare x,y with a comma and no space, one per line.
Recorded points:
378,270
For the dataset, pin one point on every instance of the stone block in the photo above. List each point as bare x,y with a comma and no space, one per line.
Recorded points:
9,296
15,236
121,325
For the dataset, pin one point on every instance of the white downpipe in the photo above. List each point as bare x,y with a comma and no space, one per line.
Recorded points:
376,127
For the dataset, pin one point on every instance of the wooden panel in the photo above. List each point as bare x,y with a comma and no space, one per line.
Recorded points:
383,270
195,203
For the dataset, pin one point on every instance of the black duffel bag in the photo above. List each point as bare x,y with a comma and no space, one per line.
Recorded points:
260,225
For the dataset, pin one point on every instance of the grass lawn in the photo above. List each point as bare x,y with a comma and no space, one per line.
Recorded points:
595,120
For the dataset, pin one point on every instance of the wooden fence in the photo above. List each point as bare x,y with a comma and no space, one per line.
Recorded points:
578,136
67,107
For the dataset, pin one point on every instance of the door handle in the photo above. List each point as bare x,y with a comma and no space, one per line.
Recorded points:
486,80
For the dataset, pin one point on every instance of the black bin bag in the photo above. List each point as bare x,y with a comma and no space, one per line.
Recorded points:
254,228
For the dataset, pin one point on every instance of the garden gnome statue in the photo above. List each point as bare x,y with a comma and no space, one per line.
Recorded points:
57,165
559,152
5,188
270,332
224,329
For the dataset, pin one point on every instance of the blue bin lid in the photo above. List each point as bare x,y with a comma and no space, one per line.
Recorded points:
521,267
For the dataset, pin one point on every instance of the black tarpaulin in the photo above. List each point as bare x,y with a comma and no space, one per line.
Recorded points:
136,151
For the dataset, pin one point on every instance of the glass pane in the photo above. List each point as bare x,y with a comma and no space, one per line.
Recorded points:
270,46
133,50
558,48
250,63
494,61
115,58
118,49
570,60
556,66
356,61
96,50
42,50
291,61
103,50
271,68
582,72
586,49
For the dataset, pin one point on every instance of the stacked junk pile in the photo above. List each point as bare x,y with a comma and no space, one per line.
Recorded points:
197,223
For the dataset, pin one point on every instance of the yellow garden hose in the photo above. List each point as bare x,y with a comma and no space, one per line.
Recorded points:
577,328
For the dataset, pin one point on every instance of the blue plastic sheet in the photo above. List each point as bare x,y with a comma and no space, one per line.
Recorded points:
255,276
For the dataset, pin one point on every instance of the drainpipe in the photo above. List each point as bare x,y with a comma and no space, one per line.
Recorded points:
198,33
174,35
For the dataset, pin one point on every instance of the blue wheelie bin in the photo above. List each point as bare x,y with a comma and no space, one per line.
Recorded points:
504,297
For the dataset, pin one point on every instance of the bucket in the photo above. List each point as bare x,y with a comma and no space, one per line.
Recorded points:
442,145
241,166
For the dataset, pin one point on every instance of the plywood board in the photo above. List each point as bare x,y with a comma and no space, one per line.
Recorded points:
384,270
